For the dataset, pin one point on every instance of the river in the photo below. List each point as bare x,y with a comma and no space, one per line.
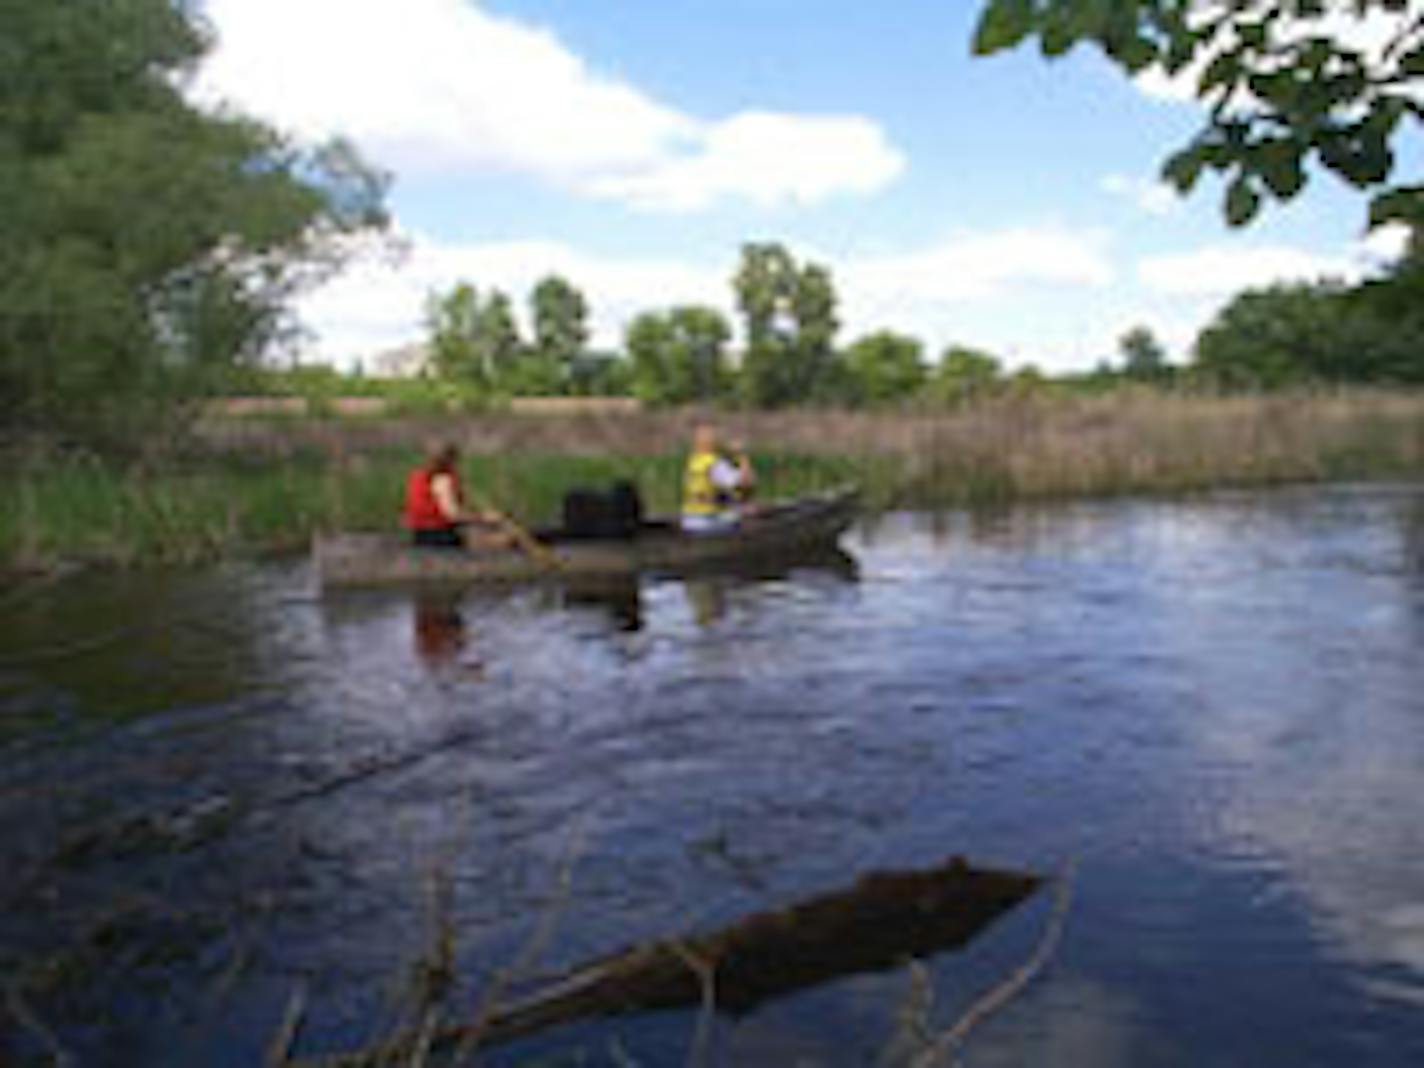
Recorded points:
1201,720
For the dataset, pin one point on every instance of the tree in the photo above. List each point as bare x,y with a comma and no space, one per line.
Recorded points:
885,366
1290,334
965,374
1285,81
602,374
473,339
679,356
147,247
1144,359
560,316
789,314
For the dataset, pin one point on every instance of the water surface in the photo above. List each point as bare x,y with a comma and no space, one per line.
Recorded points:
219,787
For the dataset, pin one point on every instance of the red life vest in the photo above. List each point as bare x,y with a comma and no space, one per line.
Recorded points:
422,511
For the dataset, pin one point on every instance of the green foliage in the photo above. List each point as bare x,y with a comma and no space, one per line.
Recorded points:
885,367
146,247
1318,332
1284,88
560,316
601,374
790,319
679,356
964,374
1144,359
473,339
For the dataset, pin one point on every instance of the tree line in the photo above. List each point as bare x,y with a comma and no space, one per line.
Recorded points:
1322,332
682,354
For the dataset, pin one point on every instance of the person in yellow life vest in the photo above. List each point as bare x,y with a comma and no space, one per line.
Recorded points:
714,485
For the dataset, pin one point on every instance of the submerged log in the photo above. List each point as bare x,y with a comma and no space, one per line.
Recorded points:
883,920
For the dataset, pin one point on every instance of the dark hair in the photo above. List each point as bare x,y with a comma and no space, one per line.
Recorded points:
443,456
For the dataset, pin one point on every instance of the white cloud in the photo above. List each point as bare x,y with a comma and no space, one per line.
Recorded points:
445,86
765,158
978,266
1220,269
1385,244
1224,269
995,289
1149,195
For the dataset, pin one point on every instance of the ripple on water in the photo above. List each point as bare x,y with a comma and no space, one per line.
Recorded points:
1212,703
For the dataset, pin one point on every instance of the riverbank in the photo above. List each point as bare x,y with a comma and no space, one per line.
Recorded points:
255,485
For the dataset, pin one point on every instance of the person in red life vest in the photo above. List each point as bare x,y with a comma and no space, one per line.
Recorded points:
435,512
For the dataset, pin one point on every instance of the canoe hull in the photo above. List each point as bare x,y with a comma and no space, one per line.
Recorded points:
782,531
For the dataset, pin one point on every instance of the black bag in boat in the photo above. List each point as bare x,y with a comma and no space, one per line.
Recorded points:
590,513
625,508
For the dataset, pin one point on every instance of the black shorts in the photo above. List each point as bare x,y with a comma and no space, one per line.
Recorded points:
441,538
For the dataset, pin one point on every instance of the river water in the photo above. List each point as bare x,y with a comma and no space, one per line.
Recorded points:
1202,719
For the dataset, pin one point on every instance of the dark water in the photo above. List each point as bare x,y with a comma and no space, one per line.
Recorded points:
218,788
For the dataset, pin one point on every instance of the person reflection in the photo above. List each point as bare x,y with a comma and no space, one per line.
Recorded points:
707,598
1414,536
439,627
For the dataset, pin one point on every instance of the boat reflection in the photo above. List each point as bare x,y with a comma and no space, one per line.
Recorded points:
441,633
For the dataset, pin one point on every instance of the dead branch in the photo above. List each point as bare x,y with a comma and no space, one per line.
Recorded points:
945,1045
281,1045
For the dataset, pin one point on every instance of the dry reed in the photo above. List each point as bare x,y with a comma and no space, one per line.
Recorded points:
254,483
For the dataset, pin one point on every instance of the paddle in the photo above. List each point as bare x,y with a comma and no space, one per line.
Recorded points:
532,546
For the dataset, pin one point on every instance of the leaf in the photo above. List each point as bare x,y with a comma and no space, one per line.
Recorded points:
1405,204
1242,202
1223,70
1057,34
1183,169
1135,53
1003,25
1253,34
1279,165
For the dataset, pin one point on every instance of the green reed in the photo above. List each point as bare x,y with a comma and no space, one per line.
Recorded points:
85,510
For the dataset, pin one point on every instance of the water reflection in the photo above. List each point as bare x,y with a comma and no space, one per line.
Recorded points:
709,595
1214,703
1413,531
439,627
620,600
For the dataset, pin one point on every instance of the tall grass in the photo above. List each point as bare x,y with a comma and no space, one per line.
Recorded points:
261,485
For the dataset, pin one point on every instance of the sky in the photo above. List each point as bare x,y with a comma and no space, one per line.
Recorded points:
1009,203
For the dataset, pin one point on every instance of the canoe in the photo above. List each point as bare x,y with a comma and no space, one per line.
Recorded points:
778,531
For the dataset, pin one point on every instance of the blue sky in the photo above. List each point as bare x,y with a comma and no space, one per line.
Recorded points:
1005,202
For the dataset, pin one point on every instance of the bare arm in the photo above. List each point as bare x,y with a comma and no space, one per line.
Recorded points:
442,488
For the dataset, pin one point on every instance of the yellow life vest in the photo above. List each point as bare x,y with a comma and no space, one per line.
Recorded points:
699,495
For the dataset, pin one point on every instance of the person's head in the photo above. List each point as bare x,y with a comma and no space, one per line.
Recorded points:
443,457
704,438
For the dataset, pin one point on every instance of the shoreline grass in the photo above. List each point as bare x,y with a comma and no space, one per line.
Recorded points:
253,486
